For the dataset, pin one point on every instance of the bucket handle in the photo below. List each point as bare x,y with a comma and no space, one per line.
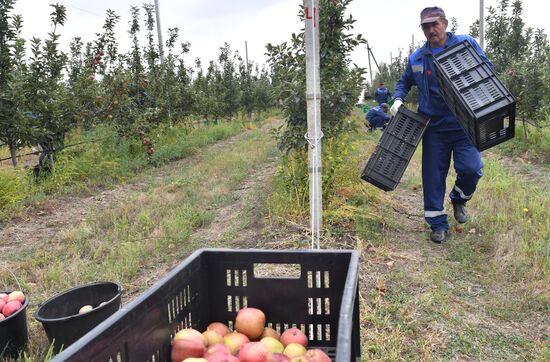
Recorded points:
13,275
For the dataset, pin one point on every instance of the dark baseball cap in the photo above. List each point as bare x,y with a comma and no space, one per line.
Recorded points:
431,14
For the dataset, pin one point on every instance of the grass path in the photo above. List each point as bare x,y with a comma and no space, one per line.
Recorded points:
135,232
423,301
419,301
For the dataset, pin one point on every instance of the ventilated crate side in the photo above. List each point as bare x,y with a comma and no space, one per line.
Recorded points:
317,292
483,106
395,149
384,169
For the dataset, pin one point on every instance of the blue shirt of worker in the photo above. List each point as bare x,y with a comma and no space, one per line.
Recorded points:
443,137
382,94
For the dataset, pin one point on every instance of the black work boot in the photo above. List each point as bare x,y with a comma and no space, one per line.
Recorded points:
460,213
438,236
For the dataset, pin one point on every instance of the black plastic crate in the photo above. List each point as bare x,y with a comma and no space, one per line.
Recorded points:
484,107
316,291
395,149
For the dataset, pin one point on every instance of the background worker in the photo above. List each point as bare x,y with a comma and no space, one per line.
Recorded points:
382,94
444,136
377,117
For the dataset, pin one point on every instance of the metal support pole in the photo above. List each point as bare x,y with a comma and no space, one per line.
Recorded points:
249,114
159,31
481,25
370,67
246,57
314,133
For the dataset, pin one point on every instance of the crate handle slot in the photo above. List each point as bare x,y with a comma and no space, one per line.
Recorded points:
277,271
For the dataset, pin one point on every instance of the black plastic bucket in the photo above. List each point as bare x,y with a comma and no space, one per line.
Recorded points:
13,331
59,314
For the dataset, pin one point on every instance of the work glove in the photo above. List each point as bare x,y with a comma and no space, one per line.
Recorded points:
395,107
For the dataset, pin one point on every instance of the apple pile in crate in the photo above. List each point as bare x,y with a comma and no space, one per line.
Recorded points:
10,303
251,341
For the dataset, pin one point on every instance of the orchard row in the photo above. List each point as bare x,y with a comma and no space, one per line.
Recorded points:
46,92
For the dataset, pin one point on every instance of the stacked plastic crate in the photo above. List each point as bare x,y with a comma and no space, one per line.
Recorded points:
395,149
484,107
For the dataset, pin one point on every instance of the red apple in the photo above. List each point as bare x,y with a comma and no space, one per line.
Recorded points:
250,321
212,337
217,348
188,343
4,297
191,334
277,357
270,332
222,357
16,295
253,352
234,341
2,317
219,327
195,359
294,350
2,304
293,335
298,359
273,345
11,307
317,355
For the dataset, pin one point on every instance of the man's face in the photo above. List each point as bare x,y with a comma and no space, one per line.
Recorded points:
436,32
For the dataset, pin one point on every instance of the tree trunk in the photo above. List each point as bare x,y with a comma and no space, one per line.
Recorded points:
13,154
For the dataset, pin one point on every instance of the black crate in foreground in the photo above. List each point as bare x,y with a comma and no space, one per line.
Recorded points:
395,149
484,107
316,291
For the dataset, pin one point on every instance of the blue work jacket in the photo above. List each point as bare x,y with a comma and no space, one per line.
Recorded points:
421,72
382,95
377,117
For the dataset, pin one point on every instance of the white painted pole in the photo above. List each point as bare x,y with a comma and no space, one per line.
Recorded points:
159,32
481,25
314,133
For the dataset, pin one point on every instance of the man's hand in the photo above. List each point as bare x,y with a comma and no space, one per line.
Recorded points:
395,107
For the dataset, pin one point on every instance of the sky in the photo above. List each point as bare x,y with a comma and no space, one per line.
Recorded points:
388,25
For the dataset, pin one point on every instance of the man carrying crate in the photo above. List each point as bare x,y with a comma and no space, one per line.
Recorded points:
444,136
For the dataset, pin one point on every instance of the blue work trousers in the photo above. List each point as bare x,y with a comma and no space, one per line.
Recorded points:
437,148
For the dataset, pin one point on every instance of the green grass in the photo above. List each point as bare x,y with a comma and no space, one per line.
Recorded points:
532,143
483,296
103,163
151,228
